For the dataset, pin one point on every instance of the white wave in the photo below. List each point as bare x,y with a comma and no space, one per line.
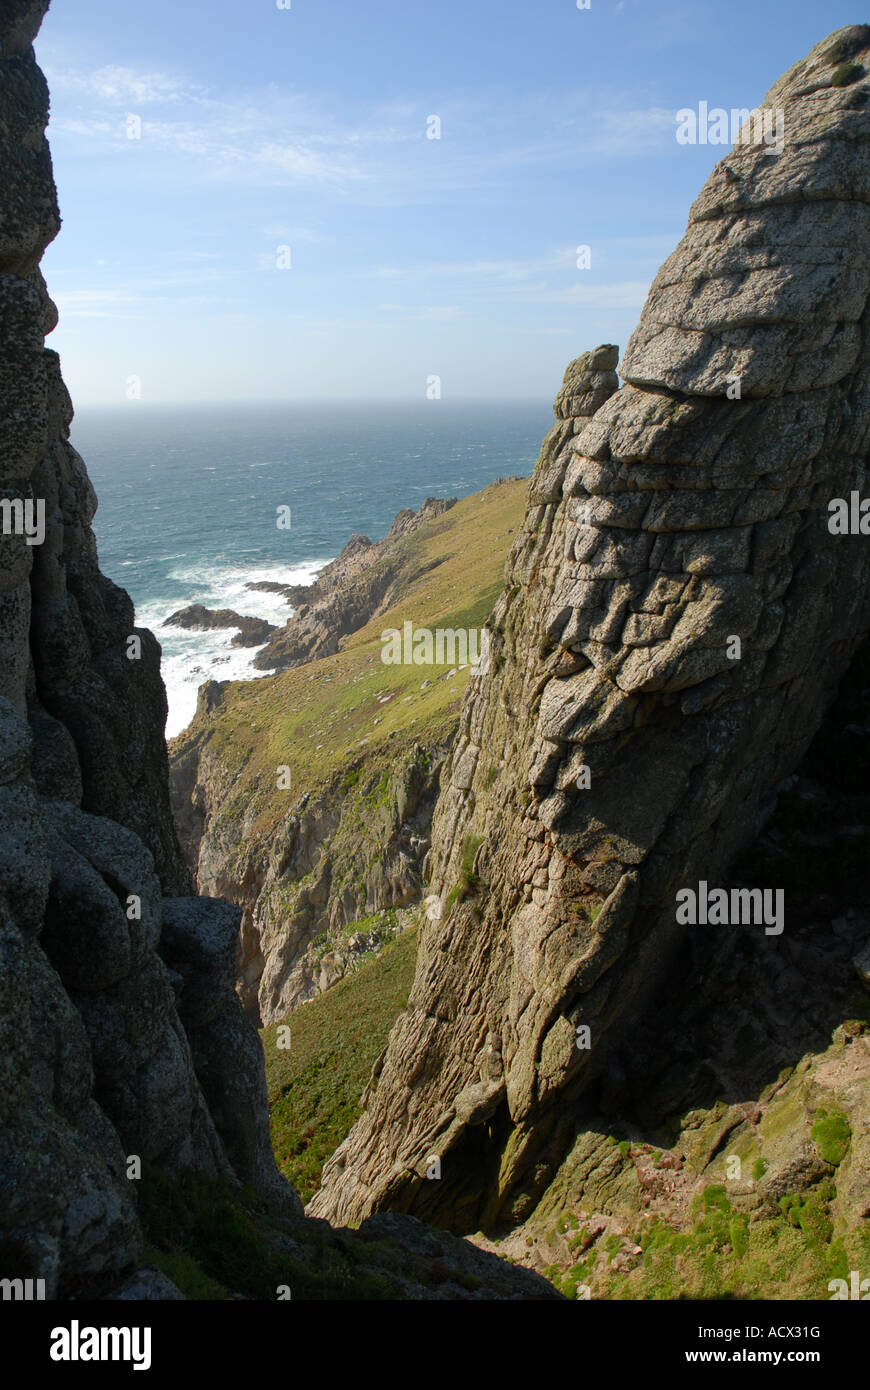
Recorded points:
191,658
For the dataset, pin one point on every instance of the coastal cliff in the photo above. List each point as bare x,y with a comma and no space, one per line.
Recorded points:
676,618
328,868
673,702
135,1156
117,1014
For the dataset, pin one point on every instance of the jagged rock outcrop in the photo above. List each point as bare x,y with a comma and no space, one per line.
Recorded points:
348,592
676,618
349,850
121,1036
252,632
120,1031
741,1099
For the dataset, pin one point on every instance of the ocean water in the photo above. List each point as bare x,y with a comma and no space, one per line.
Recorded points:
189,499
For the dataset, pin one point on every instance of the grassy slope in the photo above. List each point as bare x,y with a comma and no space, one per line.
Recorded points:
320,717
335,1039
601,1225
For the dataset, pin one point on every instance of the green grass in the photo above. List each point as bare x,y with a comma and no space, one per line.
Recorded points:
831,1135
215,1241
315,1086
319,718
726,1255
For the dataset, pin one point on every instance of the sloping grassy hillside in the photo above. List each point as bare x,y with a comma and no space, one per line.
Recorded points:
315,1085
344,835
320,717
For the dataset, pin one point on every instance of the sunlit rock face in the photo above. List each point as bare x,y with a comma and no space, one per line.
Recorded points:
678,611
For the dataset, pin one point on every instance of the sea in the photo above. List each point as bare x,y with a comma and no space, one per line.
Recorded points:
190,498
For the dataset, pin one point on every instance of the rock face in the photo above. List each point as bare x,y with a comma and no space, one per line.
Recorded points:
347,593
120,1031
352,849
676,618
252,632
329,868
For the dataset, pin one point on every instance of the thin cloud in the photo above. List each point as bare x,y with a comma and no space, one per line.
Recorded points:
91,304
507,270
119,85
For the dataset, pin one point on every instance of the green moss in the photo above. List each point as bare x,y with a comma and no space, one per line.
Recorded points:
831,1134
847,74
715,1198
759,1168
738,1228
847,47
811,1213
726,1255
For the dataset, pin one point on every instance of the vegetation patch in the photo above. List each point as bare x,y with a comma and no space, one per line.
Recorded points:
315,1085
831,1134
469,882
217,1242
847,47
847,74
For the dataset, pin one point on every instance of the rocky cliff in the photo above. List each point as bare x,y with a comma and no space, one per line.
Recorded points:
677,614
363,581
327,868
123,1047
132,1087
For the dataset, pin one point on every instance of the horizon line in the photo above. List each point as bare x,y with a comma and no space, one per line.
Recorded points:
307,400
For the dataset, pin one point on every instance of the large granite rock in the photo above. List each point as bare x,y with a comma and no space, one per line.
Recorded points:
122,1040
96,1061
676,618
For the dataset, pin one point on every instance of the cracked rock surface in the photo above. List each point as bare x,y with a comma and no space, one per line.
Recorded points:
676,618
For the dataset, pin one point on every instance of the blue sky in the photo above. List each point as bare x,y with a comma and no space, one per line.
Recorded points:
261,128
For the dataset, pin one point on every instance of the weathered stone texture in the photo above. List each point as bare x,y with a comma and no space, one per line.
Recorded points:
95,1062
664,522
